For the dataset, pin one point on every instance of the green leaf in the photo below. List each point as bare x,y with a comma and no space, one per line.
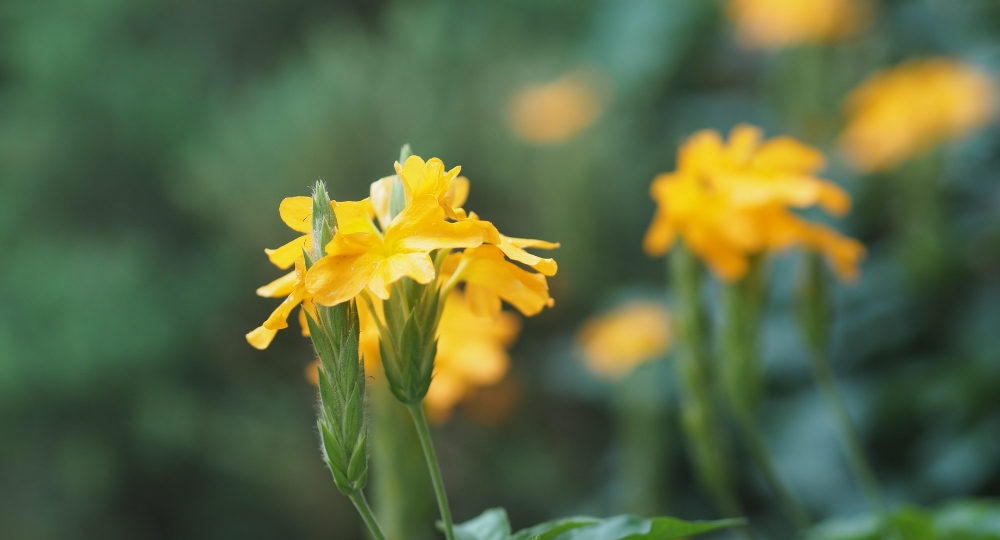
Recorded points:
493,525
549,529
490,525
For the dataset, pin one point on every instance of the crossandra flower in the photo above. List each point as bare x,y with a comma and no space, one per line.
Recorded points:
360,256
783,23
292,286
613,344
904,111
729,201
471,353
296,212
558,111
490,278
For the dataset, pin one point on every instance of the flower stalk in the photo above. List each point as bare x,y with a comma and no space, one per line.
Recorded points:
427,444
743,384
699,417
815,318
343,424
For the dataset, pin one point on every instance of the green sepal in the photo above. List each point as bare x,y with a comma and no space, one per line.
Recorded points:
307,259
330,447
357,467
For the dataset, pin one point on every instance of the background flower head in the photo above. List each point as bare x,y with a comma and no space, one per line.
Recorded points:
906,110
783,23
614,343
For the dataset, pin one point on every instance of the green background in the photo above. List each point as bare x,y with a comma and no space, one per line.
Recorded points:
145,146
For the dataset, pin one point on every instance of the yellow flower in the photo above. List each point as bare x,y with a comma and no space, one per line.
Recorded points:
555,112
296,212
615,343
361,256
292,286
471,353
489,278
783,23
729,201
909,109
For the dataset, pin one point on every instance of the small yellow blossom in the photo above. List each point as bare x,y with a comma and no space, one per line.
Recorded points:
360,256
489,278
293,287
784,23
471,353
615,343
296,212
904,111
729,201
555,112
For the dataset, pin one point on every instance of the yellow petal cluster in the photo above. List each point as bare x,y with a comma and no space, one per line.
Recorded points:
904,111
731,200
613,344
371,250
471,353
775,24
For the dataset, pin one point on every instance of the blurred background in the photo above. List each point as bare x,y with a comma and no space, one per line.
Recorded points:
145,146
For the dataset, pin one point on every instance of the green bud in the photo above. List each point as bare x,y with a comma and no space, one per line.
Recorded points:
409,343
324,221
397,198
343,425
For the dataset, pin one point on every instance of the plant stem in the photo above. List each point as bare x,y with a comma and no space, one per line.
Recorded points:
848,434
358,498
424,433
699,416
743,383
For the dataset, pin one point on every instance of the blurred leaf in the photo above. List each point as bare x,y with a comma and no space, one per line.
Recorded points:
493,525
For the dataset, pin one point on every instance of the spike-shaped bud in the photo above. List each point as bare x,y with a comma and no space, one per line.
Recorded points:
409,339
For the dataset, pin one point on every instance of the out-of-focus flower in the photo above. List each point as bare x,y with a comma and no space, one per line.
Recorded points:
729,201
471,353
908,109
784,23
557,111
615,343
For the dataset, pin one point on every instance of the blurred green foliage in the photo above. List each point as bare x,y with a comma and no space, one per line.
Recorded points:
145,146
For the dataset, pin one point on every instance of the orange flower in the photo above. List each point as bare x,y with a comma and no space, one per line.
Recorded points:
555,112
615,343
783,23
471,353
292,286
909,109
489,278
729,201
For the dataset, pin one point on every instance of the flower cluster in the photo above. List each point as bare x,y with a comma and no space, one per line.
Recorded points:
381,248
783,23
731,201
908,109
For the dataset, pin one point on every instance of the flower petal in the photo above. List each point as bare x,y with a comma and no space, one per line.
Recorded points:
338,278
261,337
422,227
285,256
380,193
296,212
417,266
282,286
545,266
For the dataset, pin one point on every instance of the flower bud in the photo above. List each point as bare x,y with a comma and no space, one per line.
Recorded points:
409,340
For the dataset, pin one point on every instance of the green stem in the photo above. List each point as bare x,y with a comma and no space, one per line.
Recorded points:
699,416
424,433
743,383
750,432
848,434
358,498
